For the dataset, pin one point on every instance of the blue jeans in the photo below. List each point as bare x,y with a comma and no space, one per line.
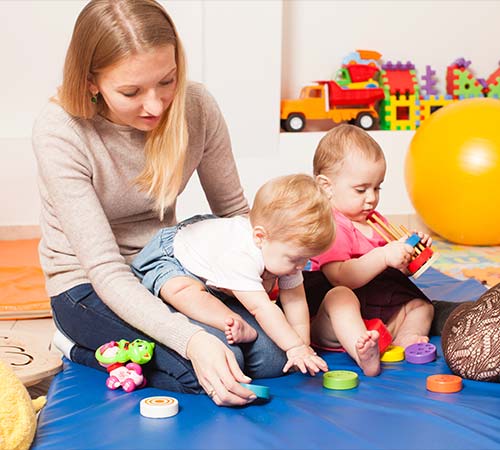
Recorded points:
81,315
156,263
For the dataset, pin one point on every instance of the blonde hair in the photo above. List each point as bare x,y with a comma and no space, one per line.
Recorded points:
339,141
294,208
105,33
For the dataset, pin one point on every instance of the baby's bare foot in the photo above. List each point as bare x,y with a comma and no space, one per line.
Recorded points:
238,331
368,353
405,340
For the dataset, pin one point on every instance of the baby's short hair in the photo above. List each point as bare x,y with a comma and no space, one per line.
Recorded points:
335,144
293,208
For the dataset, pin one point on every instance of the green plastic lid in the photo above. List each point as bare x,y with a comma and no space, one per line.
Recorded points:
340,379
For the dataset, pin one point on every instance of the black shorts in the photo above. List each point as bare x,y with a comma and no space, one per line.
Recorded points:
381,298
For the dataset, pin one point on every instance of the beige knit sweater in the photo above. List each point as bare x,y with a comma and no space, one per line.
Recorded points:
94,219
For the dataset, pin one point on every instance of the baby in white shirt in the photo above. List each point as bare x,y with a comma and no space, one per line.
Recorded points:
206,257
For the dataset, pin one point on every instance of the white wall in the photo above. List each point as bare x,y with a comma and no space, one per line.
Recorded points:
242,69
33,38
248,53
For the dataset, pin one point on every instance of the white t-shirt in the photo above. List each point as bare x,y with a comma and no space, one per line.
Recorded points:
222,252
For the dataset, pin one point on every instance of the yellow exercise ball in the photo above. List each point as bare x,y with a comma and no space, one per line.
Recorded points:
452,171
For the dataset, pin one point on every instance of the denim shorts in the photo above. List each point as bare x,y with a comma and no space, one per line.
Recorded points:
156,264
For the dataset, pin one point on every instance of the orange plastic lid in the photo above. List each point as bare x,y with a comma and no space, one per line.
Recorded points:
444,384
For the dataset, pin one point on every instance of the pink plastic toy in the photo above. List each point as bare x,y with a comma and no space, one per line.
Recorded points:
128,376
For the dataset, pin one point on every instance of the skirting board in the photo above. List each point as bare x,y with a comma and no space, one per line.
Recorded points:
11,233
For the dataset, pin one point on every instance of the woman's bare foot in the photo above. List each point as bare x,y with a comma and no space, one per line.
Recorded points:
406,340
238,331
368,353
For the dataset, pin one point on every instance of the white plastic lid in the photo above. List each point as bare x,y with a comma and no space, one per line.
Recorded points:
159,407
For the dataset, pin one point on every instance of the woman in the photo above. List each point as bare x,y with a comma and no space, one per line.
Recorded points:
114,150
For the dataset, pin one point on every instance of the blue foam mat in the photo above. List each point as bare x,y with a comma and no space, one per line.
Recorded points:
391,411
438,286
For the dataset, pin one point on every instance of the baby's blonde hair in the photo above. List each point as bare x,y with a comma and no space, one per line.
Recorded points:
338,142
106,33
293,208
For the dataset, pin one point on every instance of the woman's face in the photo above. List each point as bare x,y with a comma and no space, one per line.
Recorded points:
138,89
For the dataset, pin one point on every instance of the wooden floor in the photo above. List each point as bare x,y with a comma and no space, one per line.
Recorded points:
44,330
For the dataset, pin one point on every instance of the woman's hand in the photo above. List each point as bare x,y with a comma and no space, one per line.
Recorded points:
217,371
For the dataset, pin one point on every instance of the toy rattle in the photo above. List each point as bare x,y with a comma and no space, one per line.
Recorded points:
113,355
424,257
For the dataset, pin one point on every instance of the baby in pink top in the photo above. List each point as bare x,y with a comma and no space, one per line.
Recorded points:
360,276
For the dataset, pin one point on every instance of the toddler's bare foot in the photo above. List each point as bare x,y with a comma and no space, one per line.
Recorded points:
406,340
238,331
368,353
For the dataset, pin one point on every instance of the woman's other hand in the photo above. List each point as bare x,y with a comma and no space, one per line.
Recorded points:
217,371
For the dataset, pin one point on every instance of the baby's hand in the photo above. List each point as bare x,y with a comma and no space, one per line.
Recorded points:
398,254
424,238
305,359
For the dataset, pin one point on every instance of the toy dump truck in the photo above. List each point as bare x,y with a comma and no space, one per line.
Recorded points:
328,100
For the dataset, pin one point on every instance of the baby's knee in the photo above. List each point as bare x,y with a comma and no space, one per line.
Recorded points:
340,296
422,305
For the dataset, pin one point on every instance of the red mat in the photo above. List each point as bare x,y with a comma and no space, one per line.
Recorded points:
22,285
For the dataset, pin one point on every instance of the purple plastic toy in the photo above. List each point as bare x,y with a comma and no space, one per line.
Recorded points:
420,353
